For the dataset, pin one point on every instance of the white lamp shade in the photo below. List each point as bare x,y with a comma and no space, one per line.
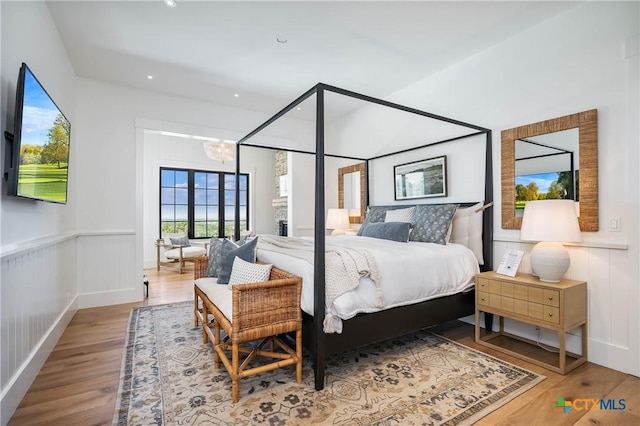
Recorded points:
551,222
338,219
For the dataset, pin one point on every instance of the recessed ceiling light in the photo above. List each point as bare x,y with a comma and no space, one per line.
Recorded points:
299,108
281,40
149,77
170,3
235,95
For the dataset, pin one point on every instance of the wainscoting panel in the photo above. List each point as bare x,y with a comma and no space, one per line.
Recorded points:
606,271
38,291
107,272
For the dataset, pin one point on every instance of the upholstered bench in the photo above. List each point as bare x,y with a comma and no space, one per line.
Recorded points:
248,312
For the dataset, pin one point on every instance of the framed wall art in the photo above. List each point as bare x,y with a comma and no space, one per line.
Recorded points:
421,179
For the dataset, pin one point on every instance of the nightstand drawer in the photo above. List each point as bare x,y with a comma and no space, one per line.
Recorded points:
521,292
507,289
495,287
482,284
552,298
483,298
551,314
507,303
521,307
535,310
495,300
535,295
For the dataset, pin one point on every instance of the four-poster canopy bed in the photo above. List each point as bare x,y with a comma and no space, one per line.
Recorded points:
367,328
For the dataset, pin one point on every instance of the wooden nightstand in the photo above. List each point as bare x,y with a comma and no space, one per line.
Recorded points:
556,306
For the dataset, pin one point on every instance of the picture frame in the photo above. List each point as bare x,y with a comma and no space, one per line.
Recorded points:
510,262
421,179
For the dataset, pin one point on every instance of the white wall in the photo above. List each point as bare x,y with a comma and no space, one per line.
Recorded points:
38,247
465,172
29,35
573,62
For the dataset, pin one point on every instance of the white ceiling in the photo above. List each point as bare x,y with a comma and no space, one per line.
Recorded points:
211,50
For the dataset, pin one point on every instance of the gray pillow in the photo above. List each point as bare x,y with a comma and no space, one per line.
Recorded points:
228,253
394,231
215,246
182,241
431,223
377,214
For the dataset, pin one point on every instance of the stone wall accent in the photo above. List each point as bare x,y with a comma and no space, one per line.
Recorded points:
279,203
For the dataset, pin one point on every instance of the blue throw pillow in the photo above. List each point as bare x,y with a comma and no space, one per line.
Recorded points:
228,253
431,222
394,231
182,241
215,247
377,214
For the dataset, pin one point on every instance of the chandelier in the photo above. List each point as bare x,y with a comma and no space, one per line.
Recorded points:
220,151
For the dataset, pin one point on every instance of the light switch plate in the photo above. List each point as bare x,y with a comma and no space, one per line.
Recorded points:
615,223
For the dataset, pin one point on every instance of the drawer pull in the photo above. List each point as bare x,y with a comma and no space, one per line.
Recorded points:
482,298
550,314
550,298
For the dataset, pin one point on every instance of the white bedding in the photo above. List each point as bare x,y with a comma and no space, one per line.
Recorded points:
409,273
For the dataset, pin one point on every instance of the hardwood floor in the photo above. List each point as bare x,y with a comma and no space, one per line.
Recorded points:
79,381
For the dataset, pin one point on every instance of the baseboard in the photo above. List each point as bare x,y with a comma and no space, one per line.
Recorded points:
107,298
19,385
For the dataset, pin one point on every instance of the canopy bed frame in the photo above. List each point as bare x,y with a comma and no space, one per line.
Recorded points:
372,327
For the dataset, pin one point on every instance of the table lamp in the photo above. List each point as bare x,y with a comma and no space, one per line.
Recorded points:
551,222
338,220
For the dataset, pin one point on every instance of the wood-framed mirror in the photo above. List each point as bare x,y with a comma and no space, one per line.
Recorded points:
583,170
351,187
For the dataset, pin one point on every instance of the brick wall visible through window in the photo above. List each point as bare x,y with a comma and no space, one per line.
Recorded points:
201,203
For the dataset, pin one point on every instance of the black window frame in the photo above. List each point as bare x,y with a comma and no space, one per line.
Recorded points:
191,222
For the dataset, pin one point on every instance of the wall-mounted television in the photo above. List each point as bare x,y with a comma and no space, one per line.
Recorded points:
39,160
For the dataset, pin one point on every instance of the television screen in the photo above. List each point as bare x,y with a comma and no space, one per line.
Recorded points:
40,165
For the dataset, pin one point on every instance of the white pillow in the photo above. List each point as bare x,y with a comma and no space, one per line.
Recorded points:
244,272
466,229
400,215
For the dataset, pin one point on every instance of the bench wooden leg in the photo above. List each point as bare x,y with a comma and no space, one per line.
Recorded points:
216,343
195,308
205,324
235,386
299,355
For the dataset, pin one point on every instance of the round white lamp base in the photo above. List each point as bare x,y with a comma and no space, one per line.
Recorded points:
549,261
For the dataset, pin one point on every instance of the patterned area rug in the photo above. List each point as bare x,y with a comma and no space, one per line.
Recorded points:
168,378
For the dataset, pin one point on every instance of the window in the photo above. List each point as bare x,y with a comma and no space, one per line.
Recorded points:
200,203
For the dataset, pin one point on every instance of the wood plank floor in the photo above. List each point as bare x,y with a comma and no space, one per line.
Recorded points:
79,381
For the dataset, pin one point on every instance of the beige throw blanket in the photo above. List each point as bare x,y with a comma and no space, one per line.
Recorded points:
344,266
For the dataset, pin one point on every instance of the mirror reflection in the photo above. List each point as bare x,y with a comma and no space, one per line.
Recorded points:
351,191
546,167
541,153
351,183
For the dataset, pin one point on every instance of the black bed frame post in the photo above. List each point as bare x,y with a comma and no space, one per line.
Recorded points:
236,221
319,337
487,226
487,218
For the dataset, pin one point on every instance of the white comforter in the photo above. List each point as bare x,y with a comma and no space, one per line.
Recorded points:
409,273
